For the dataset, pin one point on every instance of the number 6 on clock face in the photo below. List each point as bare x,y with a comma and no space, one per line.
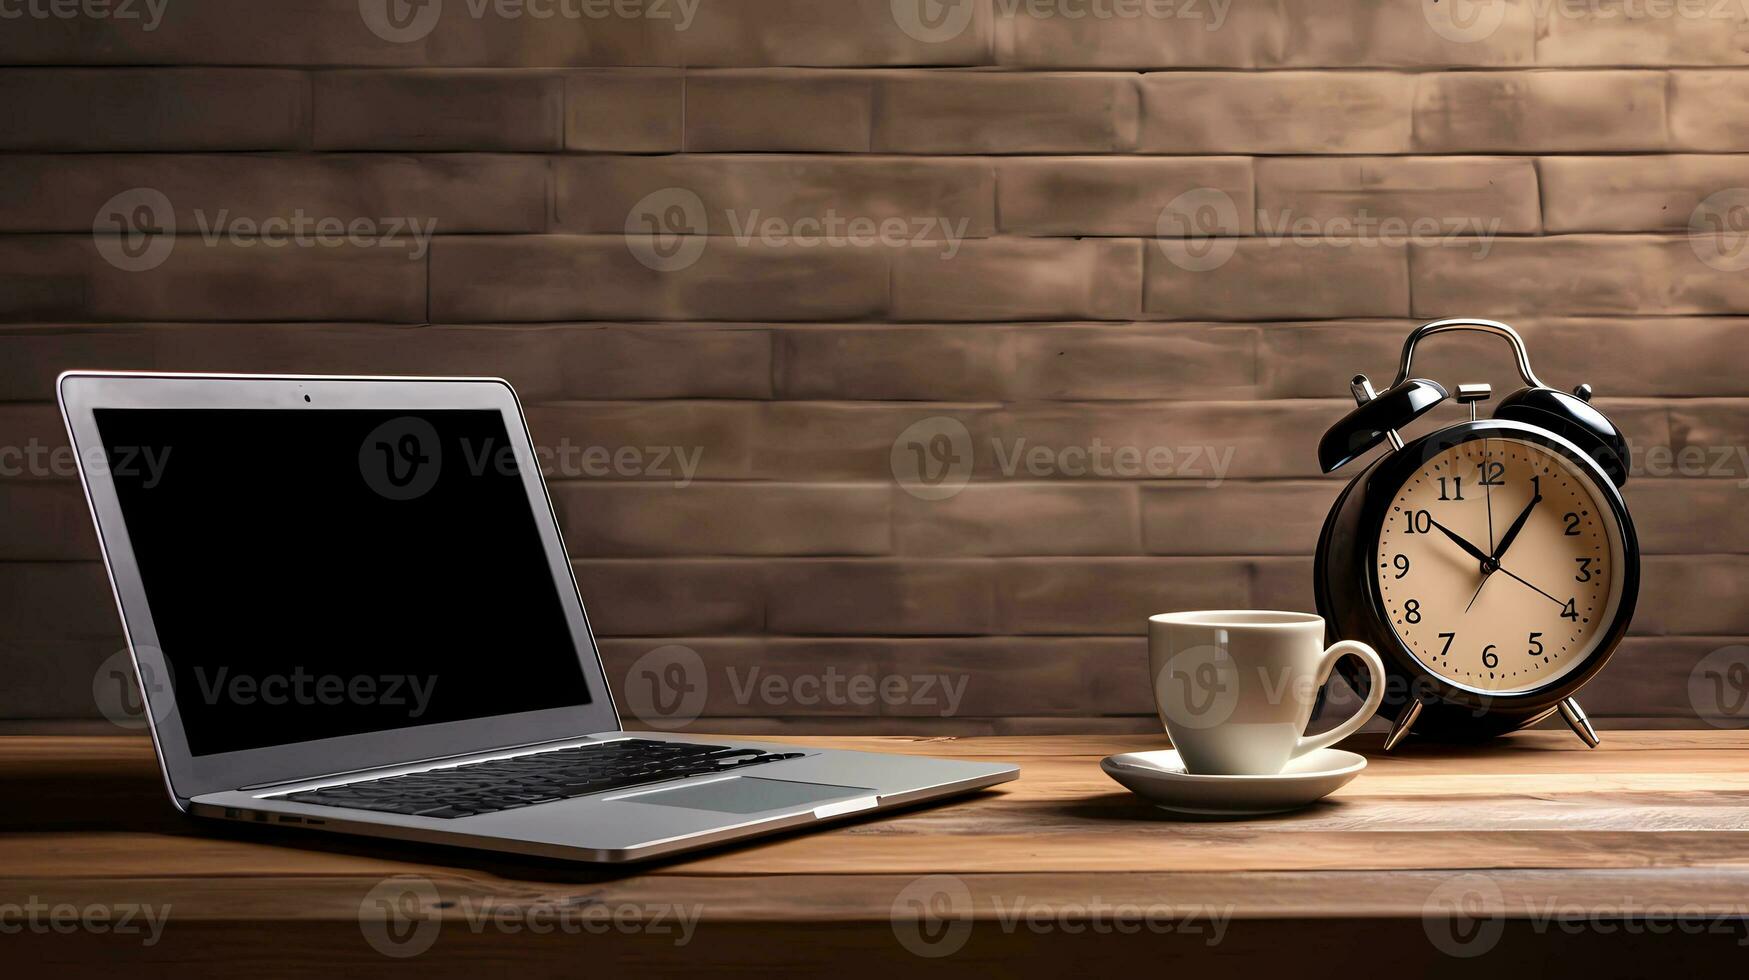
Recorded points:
1497,566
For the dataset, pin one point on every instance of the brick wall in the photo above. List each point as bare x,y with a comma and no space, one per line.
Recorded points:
1576,172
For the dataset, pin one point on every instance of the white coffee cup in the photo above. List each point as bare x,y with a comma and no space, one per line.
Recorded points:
1235,688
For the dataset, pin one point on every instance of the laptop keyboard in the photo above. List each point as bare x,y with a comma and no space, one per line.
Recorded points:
541,777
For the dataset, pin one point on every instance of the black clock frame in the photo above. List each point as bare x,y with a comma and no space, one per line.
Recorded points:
1349,600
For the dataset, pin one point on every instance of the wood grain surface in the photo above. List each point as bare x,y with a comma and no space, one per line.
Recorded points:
1630,855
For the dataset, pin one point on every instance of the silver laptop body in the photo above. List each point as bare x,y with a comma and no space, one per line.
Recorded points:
287,550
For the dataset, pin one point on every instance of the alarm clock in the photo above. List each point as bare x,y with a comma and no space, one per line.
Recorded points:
1491,563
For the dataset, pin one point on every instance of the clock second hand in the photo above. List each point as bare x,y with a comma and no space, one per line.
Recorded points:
1551,598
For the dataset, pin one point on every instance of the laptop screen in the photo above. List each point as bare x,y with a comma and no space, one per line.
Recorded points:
320,573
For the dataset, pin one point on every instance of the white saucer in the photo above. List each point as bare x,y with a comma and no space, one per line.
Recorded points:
1159,778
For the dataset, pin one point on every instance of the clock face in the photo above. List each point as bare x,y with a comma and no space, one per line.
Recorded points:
1499,565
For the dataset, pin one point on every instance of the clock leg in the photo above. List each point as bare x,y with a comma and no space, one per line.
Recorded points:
1405,721
1581,725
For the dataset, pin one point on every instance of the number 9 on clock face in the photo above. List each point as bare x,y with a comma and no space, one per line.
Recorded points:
1498,566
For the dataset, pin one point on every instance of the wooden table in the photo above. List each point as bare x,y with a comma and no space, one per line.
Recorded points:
1631,858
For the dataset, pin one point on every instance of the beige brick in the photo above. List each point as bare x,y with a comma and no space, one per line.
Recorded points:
1117,196
1496,195
1100,362
889,363
680,518
545,363
205,32
438,110
1279,517
1283,583
1642,356
1386,34
799,111
1114,596
1278,278
847,32
915,678
1648,678
1134,361
1019,279
65,278
1301,33
717,434
903,198
644,597
1063,34
625,111
1709,437
1680,32
33,444
1574,274
460,192
1202,442
1637,193
1019,519
849,441
1692,595
1709,111
919,112
1276,112
881,597
555,277
46,520
1550,112
52,660
154,109
1689,514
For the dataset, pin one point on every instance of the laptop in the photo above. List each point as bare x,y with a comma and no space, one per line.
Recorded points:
350,610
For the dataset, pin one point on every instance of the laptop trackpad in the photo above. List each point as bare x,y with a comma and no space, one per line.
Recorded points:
747,794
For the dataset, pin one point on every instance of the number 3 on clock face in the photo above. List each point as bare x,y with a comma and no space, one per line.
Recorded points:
1498,567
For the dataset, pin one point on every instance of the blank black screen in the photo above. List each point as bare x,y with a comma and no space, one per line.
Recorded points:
315,573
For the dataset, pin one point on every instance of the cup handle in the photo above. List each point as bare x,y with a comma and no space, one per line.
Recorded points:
1374,697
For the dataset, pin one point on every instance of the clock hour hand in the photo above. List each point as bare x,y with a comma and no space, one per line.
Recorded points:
1517,526
1474,552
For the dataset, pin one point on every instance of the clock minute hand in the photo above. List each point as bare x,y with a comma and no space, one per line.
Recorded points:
1512,532
1474,552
